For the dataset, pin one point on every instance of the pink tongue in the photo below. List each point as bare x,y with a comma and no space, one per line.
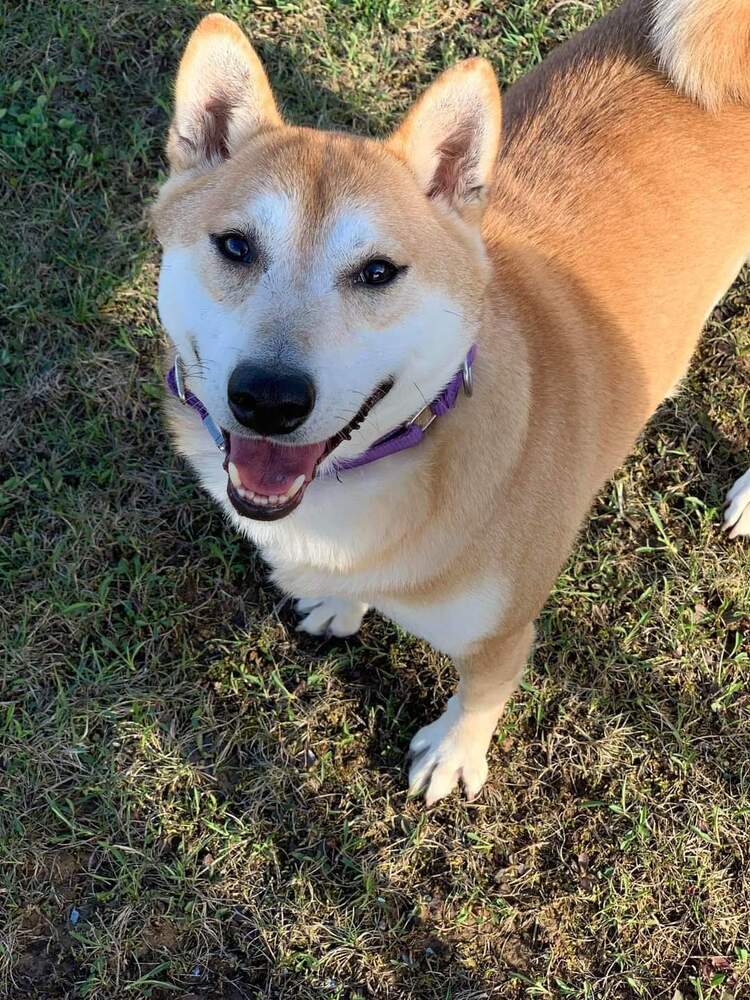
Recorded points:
269,468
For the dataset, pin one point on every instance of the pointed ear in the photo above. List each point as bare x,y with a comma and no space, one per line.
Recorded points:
451,136
222,96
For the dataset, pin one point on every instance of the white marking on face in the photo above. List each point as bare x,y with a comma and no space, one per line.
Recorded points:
350,234
188,312
421,351
273,215
345,361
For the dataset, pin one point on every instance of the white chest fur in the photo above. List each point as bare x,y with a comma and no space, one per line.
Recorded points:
342,526
456,622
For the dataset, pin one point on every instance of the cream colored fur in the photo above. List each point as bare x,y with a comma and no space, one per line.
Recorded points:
704,45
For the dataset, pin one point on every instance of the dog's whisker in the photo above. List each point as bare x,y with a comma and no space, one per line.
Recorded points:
425,401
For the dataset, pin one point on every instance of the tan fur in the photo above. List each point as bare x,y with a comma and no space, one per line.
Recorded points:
617,213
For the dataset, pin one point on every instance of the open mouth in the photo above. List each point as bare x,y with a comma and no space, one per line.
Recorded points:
267,480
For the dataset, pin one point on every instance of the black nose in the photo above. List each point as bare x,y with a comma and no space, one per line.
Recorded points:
270,401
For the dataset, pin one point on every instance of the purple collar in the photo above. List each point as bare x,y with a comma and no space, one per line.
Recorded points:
407,435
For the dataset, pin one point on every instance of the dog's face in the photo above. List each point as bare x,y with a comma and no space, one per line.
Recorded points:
317,287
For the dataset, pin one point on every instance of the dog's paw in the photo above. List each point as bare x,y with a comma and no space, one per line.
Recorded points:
449,750
337,616
737,512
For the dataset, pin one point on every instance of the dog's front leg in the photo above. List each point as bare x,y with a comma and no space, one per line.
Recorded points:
454,747
339,616
737,512
330,615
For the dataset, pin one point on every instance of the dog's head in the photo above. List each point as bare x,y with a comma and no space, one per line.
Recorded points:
319,287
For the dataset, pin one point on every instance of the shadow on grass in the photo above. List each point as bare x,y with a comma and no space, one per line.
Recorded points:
127,591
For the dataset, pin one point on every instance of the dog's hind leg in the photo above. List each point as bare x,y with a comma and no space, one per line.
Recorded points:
737,512
454,747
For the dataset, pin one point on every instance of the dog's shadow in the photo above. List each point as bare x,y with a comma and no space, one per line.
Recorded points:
148,594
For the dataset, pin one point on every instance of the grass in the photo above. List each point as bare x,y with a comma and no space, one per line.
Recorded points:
197,802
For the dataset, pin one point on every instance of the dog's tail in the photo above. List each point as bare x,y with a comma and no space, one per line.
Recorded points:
704,47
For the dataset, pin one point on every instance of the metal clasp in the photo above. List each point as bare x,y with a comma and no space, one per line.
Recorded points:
179,380
208,421
417,418
215,432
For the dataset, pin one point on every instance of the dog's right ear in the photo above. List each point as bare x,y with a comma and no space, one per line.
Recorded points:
222,96
450,137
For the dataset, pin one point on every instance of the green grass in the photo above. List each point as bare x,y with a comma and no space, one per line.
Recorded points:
197,802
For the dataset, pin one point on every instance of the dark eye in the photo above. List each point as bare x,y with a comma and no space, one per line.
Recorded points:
235,247
377,272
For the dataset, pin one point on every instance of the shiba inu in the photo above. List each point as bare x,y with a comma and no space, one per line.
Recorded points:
411,363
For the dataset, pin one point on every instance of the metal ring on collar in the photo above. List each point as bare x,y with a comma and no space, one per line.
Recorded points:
468,377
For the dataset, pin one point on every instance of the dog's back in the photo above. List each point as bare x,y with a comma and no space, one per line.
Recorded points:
633,185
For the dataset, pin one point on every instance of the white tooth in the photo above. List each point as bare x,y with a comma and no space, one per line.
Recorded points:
257,498
273,499
242,492
295,487
234,475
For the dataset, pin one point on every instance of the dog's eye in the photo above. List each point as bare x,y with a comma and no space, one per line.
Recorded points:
235,247
377,272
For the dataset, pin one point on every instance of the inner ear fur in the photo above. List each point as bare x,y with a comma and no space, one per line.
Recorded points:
450,138
222,96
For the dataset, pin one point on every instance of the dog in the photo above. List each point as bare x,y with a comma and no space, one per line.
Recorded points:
410,364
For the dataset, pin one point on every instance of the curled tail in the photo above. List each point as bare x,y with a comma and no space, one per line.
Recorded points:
704,47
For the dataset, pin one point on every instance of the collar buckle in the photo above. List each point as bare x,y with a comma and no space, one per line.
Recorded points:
423,418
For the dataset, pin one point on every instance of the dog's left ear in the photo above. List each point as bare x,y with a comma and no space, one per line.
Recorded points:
451,136
222,96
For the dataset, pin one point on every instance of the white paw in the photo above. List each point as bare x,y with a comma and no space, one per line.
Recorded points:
337,616
737,512
449,750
